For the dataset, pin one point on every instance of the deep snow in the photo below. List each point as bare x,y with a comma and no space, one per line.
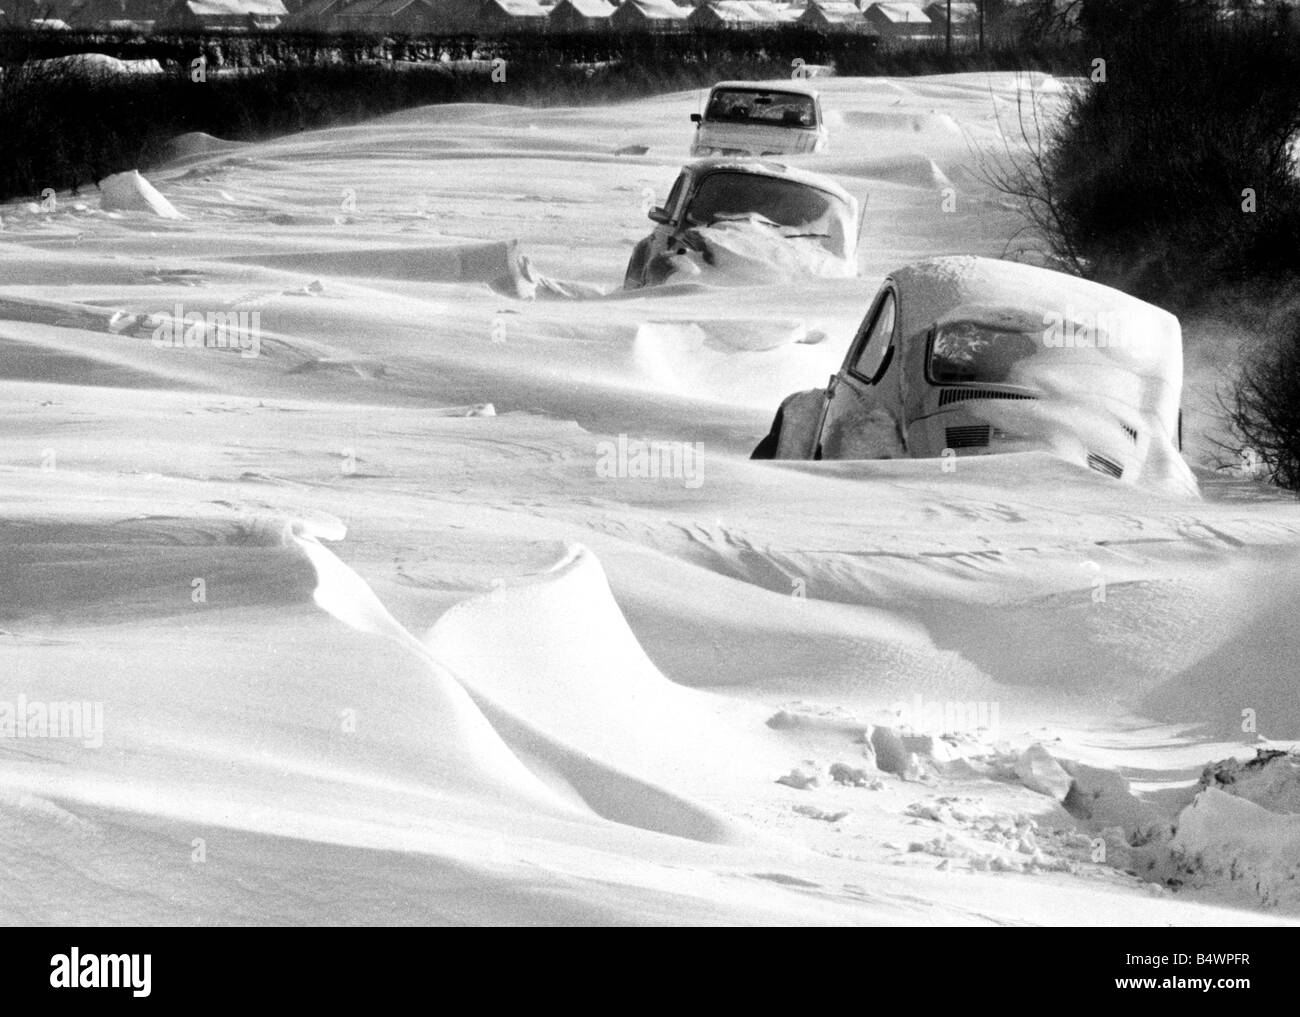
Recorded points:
407,600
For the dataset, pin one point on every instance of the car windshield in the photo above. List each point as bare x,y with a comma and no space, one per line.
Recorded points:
965,351
776,109
797,209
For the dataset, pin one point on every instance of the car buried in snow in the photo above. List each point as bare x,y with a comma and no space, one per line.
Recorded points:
745,219
966,356
746,118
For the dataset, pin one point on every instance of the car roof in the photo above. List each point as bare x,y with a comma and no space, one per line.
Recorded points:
767,168
779,85
990,289
954,280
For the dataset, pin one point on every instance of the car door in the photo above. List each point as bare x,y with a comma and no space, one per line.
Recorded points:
859,422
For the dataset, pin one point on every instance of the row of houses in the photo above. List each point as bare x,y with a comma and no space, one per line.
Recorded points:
890,18
394,16
895,19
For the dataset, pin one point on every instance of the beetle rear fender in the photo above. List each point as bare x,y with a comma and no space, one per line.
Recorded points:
800,416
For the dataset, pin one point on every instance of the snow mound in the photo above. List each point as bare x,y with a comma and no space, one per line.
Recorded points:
895,120
555,648
130,192
497,263
1247,683
196,144
729,362
1226,840
739,253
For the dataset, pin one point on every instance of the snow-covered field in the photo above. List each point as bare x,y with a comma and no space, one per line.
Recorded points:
384,624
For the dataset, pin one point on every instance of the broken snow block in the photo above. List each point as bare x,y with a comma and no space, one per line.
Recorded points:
812,812
1039,771
891,754
807,775
854,776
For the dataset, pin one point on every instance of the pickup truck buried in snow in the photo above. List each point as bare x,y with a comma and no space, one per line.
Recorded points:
963,356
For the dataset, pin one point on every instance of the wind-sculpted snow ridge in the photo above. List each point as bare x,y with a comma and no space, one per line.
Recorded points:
499,264
489,744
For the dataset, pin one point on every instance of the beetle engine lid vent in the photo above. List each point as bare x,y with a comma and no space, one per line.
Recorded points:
1104,465
958,395
967,436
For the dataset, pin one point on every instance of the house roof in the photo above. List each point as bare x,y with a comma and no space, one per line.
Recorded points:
834,6
656,10
235,8
315,8
839,11
519,8
351,8
740,11
900,13
587,8
391,8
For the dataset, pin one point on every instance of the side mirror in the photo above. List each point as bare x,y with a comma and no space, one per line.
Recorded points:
658,215
696,118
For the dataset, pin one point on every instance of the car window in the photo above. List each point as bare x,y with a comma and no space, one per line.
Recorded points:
670,205
743,105
965,351
871,353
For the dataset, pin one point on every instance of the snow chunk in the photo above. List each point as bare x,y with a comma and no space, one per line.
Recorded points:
1039,771
130,192
807,775
812,812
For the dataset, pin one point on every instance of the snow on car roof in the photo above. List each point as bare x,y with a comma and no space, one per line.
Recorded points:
767,168
793,85
934,289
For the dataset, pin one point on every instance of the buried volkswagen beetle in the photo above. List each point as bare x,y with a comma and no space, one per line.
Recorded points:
970,356
748,118
748,220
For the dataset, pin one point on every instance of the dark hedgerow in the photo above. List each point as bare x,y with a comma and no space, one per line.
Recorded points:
1264,408
1174,177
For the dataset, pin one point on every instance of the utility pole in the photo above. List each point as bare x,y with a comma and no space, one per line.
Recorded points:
947,49
981,8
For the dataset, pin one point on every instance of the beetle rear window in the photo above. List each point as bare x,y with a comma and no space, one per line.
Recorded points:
964,351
